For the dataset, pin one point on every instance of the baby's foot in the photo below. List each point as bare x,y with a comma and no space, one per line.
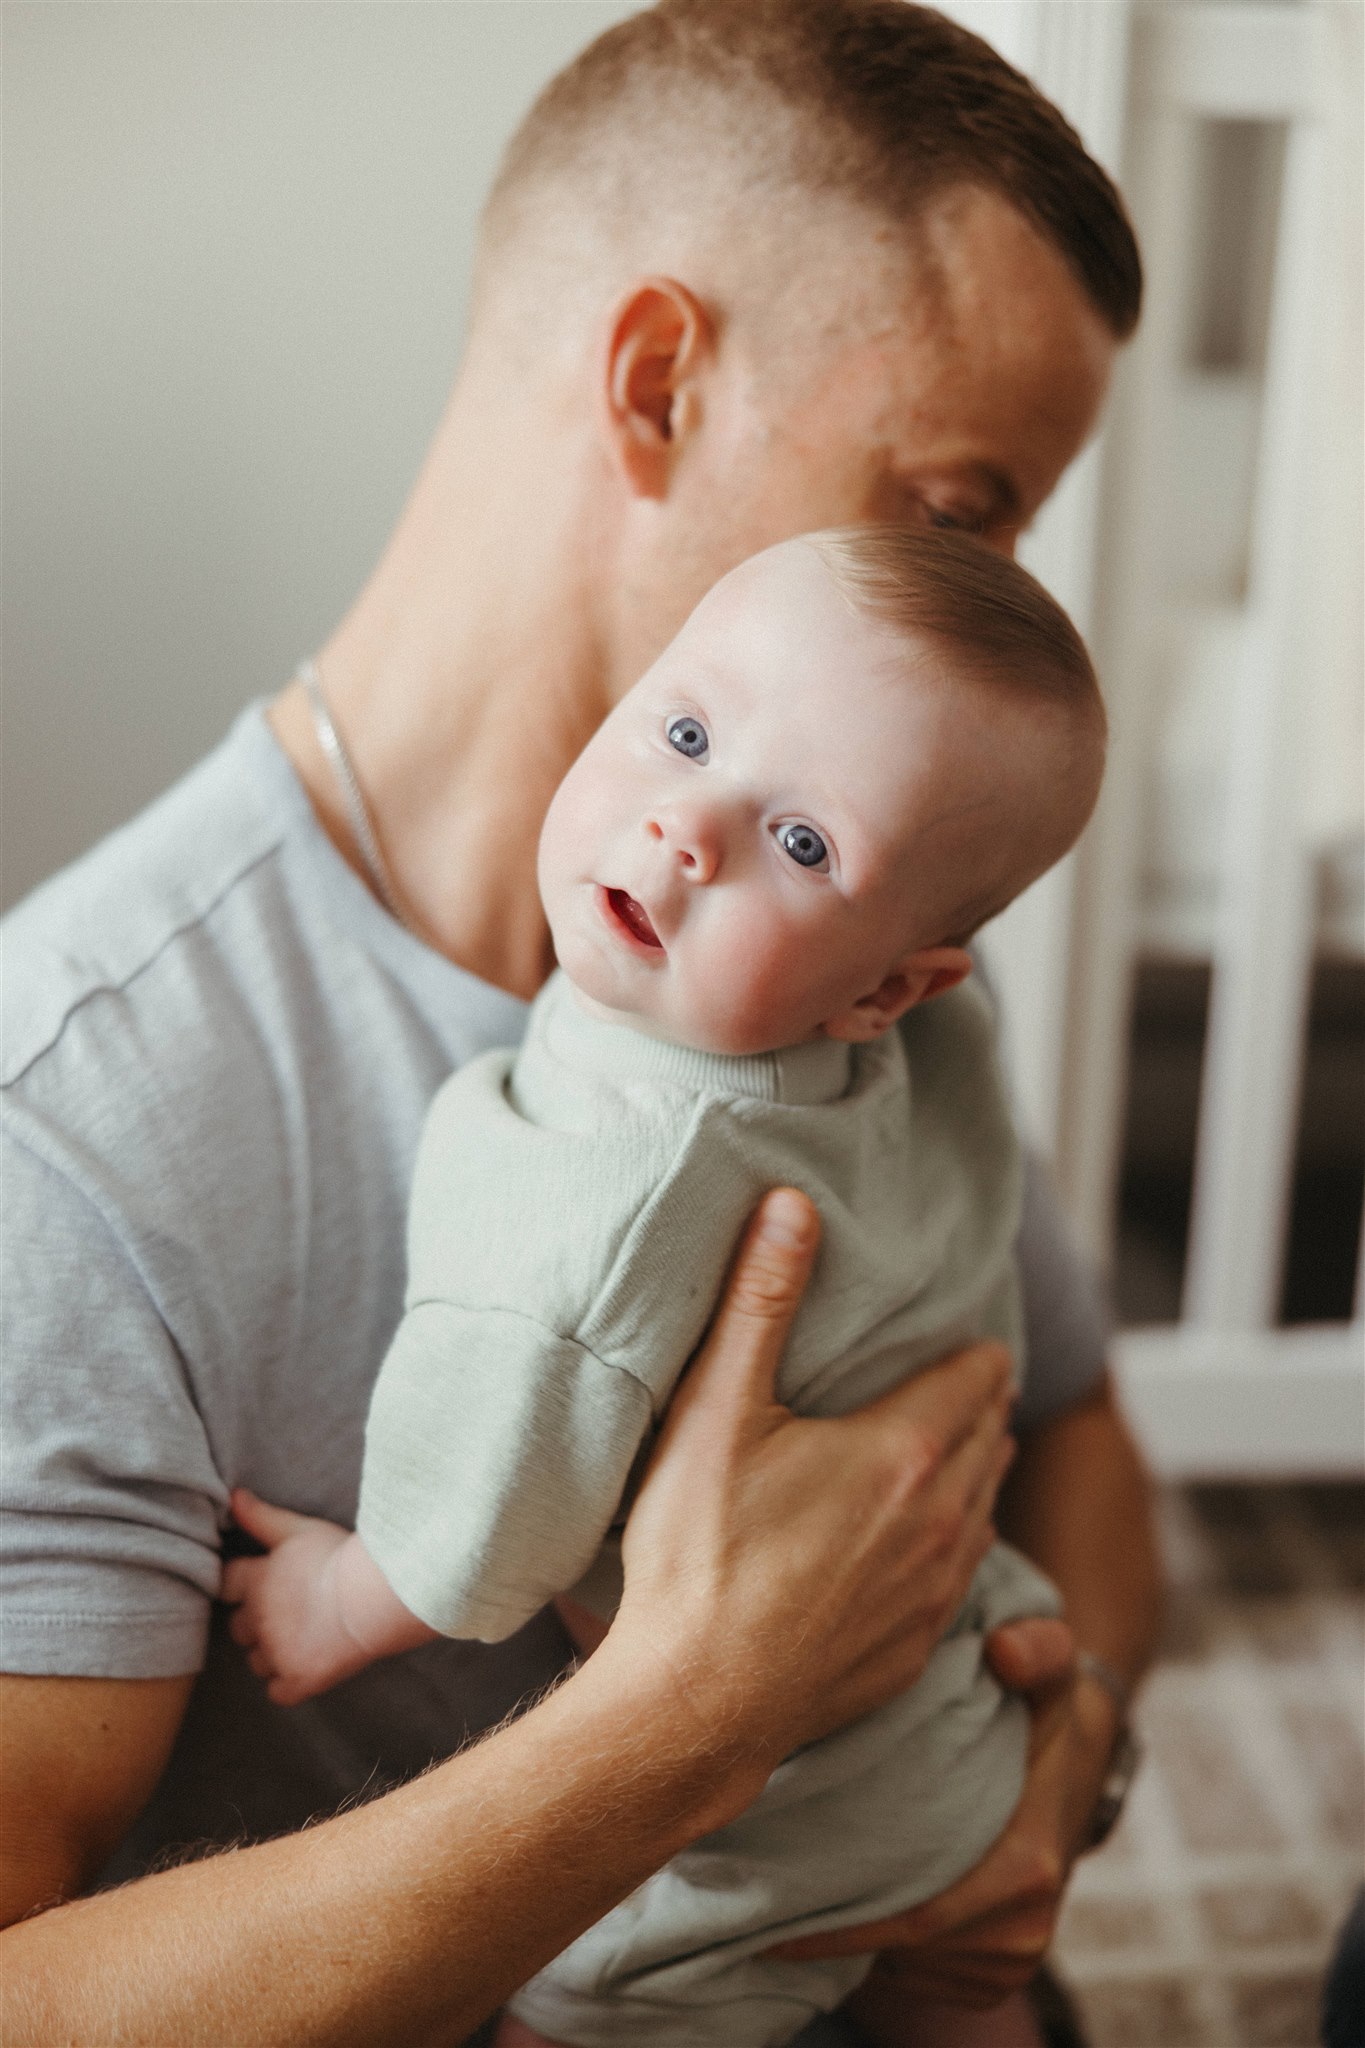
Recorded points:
514,2033
922,2023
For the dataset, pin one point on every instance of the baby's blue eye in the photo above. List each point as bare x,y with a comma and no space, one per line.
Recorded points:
688,735
804,844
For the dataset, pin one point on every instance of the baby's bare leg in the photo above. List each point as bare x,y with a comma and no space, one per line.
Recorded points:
1010,2025
893,2023
514,2033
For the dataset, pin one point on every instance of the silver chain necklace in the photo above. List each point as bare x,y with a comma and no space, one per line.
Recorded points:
357,811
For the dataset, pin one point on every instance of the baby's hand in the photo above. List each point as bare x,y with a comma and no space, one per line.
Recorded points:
288,1611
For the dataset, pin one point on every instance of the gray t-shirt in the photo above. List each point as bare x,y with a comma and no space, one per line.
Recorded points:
218,1052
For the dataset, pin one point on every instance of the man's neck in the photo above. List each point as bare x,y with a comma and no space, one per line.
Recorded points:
464,681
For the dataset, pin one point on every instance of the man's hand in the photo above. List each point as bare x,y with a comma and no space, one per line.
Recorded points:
985,1937
797,1572
781,1574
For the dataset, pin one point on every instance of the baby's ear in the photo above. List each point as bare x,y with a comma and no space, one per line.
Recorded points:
917,978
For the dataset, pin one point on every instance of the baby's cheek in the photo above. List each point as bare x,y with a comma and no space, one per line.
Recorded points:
753,991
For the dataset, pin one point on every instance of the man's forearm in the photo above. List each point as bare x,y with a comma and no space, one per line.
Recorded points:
407,1921
1079,1503
783,1575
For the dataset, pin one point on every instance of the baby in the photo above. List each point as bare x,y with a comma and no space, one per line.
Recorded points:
861,745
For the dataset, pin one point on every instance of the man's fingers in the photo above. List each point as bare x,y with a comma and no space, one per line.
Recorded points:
964,1486
980,1465
1006,1901
1032,1655
943,1409
761,1296
1000,1934
947,1921
269,1525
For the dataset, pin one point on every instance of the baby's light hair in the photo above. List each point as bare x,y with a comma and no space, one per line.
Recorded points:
1006,634
951,588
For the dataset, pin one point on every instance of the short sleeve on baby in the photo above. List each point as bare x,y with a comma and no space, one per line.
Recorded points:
498,1443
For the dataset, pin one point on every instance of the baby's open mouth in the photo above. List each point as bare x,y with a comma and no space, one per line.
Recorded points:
632,916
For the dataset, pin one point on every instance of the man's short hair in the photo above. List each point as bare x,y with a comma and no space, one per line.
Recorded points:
883,103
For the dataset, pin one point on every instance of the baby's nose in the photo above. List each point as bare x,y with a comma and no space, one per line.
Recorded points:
690,837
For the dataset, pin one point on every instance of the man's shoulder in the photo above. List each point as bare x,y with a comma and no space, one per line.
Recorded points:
83,941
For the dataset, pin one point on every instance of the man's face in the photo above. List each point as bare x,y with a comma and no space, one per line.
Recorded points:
952,389
766,821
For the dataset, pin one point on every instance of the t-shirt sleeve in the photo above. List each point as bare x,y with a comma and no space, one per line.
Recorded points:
1066,1316
109,1556
496,1455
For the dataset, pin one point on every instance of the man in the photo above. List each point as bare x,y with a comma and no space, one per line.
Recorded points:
750,268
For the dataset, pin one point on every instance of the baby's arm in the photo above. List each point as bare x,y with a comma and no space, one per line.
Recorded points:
317,1609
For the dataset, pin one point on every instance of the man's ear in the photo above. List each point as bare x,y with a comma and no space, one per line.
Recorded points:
917,978
658,340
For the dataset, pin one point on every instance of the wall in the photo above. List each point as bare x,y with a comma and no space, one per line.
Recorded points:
236,246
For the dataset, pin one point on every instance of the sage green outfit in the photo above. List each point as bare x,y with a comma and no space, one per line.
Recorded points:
574,1210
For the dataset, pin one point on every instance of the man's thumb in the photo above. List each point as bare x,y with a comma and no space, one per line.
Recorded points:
766,1283
1032,1654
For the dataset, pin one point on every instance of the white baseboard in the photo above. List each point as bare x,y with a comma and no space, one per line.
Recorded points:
1275,1404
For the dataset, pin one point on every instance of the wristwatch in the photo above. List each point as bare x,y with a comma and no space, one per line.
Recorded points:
1124,1757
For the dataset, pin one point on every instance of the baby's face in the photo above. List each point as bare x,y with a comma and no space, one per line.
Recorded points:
736,857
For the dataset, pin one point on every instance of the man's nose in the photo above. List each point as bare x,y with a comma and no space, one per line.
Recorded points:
690,836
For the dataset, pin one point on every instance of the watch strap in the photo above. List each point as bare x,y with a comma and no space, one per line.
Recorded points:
1120,1771
1125,1755
1088,1665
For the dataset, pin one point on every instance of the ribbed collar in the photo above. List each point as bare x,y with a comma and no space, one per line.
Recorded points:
799,1074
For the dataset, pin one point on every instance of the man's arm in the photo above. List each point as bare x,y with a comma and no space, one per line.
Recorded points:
79,1758
405,1922
1079,1503
783,1575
